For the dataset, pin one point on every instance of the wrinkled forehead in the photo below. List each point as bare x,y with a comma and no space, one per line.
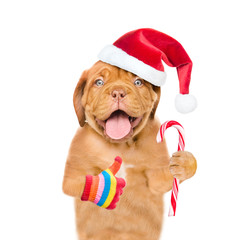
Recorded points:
109,72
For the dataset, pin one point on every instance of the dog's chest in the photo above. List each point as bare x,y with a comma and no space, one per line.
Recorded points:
122,173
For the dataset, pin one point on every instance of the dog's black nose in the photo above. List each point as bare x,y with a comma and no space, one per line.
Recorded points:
118,94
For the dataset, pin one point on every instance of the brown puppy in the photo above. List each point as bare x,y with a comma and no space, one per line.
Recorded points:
103,93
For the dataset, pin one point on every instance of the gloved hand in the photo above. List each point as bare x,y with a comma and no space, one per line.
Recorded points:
105,189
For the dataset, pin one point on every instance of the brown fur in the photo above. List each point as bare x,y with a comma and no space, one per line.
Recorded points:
139,212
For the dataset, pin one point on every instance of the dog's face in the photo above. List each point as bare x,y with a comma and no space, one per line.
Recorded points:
117,104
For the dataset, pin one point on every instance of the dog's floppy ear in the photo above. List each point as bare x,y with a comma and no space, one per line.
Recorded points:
157,90
78,93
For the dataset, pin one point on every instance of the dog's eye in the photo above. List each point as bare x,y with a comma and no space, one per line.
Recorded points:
138,82
99,83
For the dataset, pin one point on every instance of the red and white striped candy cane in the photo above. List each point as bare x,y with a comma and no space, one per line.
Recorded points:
181,147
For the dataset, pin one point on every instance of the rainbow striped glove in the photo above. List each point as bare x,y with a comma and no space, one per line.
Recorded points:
105,189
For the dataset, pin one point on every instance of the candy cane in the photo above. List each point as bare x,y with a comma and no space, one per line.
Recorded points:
181,147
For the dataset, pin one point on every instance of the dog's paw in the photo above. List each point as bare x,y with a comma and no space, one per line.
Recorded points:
183,165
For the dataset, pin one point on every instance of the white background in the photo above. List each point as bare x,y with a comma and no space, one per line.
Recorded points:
45,46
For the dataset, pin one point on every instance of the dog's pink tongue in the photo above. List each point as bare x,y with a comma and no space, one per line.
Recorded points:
118,126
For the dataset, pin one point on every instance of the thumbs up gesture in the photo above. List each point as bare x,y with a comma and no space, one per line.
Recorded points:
105,189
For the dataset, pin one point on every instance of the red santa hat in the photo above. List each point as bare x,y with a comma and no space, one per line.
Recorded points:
143,52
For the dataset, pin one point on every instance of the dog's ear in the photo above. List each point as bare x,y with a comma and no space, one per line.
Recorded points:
157,90
78,93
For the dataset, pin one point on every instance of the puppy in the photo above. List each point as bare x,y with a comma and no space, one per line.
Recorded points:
116,111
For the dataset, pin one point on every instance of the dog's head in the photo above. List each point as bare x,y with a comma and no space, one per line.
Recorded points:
116,104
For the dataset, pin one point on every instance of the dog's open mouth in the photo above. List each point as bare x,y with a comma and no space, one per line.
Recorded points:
119,125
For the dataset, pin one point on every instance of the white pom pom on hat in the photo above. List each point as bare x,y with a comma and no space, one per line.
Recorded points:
142,51
185,103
